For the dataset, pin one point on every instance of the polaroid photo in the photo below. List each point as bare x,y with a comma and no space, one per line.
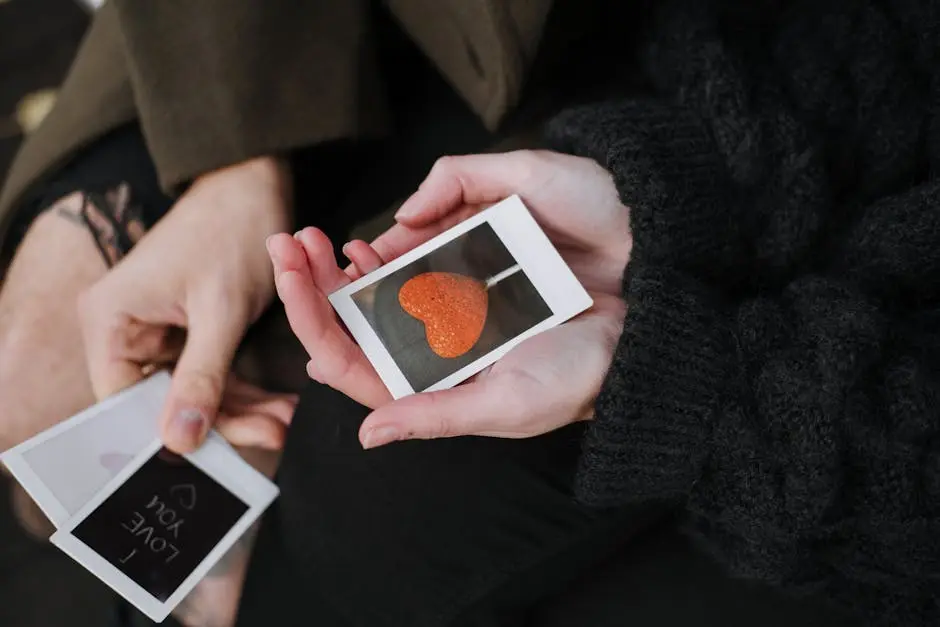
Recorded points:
155,531
454,305
63,467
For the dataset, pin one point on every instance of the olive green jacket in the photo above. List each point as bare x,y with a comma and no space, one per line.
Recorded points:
215,82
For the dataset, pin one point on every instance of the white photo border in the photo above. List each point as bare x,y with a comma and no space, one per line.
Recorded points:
219,461
532,250
157,386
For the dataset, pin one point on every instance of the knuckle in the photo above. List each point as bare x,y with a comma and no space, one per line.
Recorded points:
443,165
526,165
261,434
284,409
222,306
223,298
201,386
442,427
341,370
532,157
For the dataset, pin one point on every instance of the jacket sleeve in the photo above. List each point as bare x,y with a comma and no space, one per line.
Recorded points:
798,422
217,82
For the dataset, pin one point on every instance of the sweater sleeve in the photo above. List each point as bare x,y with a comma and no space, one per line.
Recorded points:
798,423
218,82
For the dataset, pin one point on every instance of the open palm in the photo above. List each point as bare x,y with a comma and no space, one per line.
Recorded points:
542,384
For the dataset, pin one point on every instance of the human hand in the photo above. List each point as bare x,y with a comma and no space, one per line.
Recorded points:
305,272
573,199
186,293
545,382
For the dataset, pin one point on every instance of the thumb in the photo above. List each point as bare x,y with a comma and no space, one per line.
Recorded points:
199,379
479,408
465,180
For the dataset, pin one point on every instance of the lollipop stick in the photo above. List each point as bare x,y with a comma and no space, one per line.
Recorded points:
496,278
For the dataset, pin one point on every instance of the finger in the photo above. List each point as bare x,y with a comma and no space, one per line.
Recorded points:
201,374
464,180
252,431
363,257
352,272
322,260
280,408
240,390
309,314
114,344
400,239
339,362
482,407
287,255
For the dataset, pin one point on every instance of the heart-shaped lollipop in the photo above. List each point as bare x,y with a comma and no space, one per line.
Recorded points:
453,308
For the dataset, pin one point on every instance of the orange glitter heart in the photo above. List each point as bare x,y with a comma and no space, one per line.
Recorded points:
452,307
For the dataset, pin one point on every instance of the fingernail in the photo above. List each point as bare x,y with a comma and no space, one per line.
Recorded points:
297,234
381,436
405,211
188,425
345,246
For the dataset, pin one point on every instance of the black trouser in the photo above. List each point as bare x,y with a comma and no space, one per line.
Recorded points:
469,531
474,532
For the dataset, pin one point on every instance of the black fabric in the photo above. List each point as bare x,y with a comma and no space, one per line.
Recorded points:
478,532
779,374
119,157
126,615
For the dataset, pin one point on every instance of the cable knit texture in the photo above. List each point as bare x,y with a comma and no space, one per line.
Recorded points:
779,370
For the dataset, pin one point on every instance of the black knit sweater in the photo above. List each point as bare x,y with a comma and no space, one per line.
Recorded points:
779,370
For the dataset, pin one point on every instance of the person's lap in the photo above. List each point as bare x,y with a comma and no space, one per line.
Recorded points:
469,531
42,365
472,531
414,533
42,370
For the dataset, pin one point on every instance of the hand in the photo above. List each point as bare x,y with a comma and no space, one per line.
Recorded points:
202,270
542,384
573,199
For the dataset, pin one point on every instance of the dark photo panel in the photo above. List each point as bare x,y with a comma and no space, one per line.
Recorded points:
513,305
161,523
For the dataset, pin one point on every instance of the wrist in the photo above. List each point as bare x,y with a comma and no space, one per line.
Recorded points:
270,167
268,178
274,168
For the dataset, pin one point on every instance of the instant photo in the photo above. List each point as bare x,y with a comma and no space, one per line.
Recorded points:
444,311
64,467
155,531
162,523
452,306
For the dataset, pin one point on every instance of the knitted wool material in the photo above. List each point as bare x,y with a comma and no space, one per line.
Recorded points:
778,375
